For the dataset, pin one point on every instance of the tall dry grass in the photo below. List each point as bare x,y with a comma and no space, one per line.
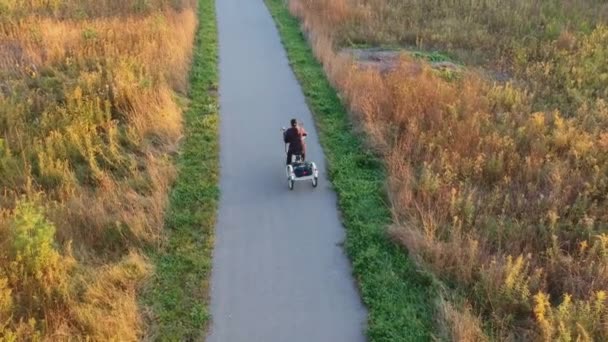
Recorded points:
498,188
89,116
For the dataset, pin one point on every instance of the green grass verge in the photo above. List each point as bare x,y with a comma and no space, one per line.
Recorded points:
178,293
400,299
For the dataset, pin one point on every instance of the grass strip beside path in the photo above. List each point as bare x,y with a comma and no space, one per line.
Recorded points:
400,299
178,294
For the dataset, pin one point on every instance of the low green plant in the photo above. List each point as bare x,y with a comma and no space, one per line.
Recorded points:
37,274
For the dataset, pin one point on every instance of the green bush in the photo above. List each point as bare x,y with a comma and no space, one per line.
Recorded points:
36,272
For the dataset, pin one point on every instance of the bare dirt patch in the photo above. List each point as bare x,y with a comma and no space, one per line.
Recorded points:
386,60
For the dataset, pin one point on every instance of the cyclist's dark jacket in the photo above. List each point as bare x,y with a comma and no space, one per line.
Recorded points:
293,137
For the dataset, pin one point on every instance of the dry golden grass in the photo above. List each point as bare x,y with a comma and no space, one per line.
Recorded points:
461,325
88,119
498,188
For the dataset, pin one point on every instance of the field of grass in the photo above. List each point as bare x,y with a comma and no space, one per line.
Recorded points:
497,188
91,101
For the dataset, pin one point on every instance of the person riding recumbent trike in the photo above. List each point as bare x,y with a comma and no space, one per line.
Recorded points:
298,169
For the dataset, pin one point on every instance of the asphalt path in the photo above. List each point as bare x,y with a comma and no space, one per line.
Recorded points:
279,271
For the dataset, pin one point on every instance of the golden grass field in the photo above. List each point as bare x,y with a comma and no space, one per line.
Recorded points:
498,187
90,114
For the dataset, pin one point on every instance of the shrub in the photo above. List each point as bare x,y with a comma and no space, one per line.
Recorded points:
36,275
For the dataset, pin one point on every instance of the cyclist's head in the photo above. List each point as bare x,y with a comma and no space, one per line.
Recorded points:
294,123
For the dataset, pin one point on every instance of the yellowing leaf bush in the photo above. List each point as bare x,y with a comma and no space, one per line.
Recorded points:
572,320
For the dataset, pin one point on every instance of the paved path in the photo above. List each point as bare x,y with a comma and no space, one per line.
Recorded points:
279,273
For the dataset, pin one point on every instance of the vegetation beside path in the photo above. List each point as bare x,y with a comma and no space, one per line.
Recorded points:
178,294
90,117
